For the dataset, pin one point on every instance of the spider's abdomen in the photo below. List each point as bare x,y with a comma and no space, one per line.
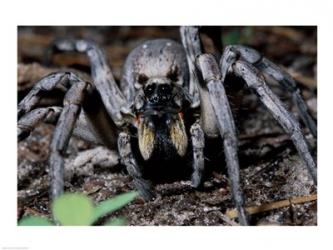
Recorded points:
160,58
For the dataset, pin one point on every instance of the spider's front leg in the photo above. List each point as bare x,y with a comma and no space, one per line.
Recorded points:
218,98
198,145
128,159
216,117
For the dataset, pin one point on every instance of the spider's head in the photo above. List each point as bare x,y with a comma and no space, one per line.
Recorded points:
161,129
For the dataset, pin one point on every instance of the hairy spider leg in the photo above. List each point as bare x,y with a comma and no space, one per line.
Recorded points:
270,69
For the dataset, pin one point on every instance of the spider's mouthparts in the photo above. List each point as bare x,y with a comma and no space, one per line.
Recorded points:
146,135
163,135
178,135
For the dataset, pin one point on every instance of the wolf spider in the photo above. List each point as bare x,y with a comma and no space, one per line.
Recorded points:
170,101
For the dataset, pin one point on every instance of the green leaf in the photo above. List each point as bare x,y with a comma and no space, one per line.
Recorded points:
113,204
120,221
73,209
35,221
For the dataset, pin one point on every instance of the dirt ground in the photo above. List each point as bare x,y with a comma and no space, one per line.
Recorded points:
271,169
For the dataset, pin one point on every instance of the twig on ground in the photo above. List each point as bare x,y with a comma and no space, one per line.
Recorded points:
228,220
306,81
274,205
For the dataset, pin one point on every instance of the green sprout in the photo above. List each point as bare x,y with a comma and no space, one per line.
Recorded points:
75,209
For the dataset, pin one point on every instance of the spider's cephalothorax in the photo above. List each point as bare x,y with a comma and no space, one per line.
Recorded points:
171,98
159,97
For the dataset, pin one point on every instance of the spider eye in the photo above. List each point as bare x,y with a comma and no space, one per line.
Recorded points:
165,89
149,90
142,79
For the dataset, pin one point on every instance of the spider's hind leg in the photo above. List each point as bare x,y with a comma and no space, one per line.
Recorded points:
30,120
103,79
255,80
234,52
62,133
30,115
48,83
288,83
